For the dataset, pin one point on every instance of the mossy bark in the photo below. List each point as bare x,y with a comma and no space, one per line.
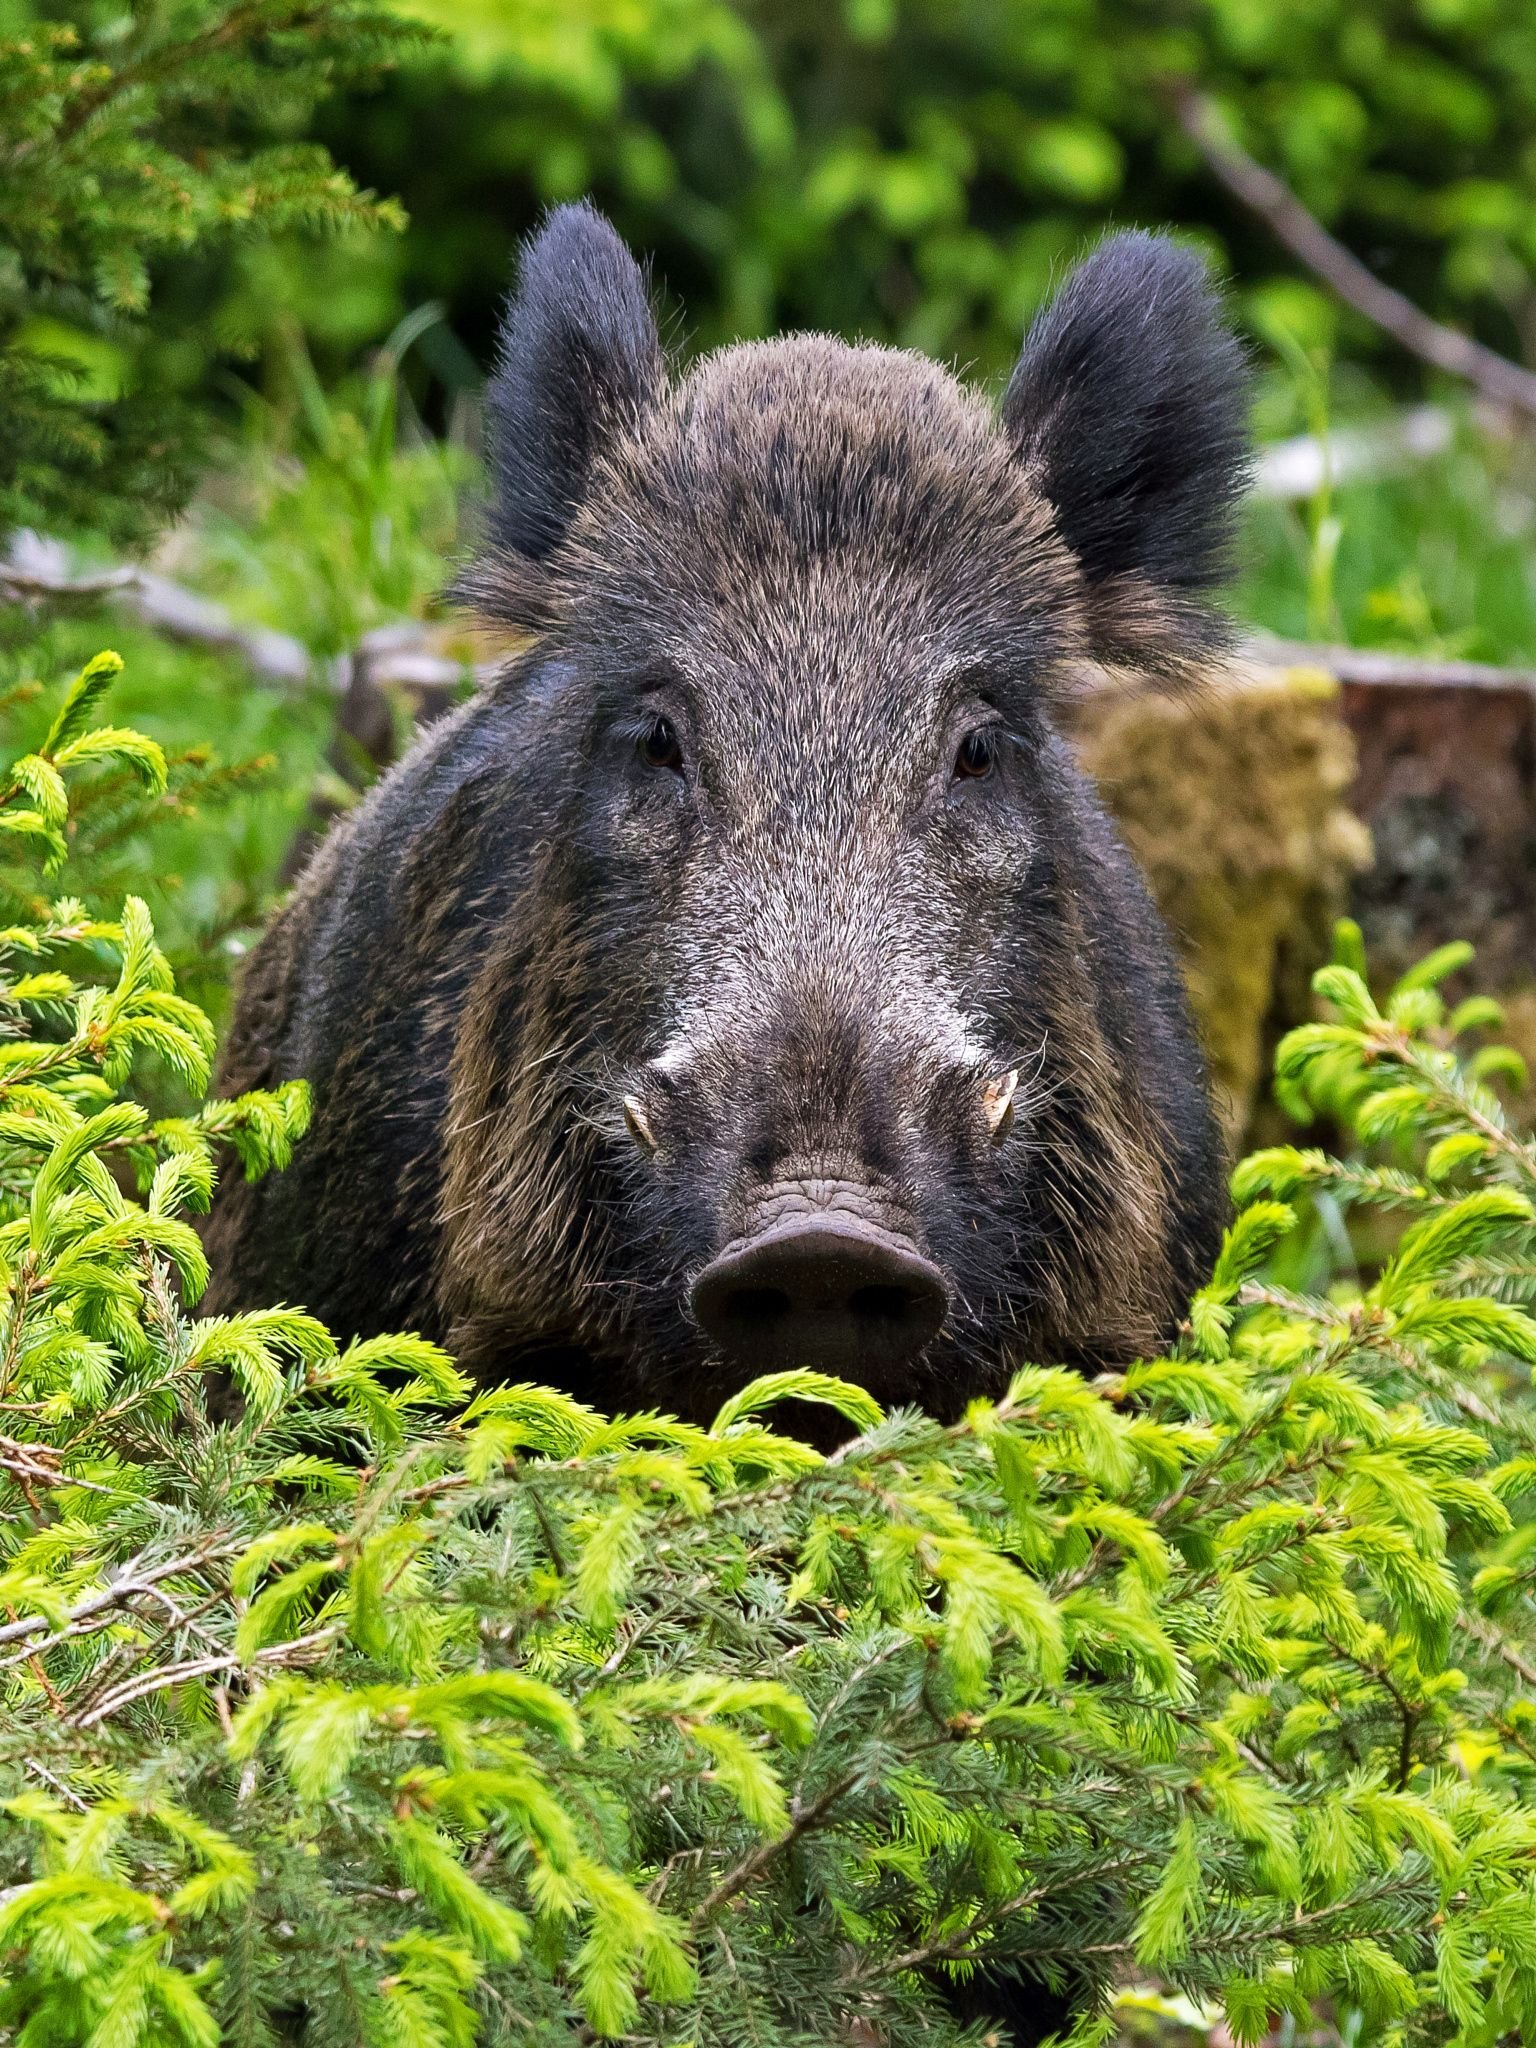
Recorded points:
1234,798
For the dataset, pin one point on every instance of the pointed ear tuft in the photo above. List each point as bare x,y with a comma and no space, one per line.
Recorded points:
1129,409
578,360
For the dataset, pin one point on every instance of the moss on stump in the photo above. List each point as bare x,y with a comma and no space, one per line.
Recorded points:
1234,798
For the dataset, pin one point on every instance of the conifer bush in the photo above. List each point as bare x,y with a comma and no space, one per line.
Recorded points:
132,135
369,1707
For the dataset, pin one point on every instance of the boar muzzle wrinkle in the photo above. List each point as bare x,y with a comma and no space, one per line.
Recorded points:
825,1290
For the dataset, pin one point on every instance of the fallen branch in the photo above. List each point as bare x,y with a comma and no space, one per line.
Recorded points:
388,665
37,570
1371,665
398,658
1504,382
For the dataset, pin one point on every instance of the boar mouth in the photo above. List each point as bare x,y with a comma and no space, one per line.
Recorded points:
821,1289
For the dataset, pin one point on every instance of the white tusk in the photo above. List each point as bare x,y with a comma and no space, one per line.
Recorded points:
638,1123
997,1103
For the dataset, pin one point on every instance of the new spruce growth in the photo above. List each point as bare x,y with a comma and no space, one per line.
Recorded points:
366,1708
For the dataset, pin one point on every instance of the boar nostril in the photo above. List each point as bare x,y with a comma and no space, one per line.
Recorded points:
826,1290
759,1304
879,1303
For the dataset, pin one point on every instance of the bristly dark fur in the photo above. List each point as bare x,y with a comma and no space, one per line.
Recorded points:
822,564
578,359
1128,408
807,946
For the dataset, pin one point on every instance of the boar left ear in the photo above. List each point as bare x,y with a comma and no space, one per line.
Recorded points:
1128,409
578,360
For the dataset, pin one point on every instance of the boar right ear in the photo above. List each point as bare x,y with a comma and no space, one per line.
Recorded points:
1128,409
578,359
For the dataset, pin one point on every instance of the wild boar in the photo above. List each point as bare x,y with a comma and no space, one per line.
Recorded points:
747,978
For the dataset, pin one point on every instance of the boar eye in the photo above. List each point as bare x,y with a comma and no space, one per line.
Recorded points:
974,761
659,746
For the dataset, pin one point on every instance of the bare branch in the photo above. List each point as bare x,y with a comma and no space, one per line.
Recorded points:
1374,666
1504,382
802,1820
37,570
41,1771
302,1650
129,1587
35,1464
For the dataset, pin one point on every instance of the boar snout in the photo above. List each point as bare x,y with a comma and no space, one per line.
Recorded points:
821,1287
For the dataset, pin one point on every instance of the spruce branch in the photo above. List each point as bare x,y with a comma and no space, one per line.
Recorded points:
805,1816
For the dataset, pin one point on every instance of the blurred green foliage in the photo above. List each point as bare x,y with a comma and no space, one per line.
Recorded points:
918,170
336,512
1438,559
